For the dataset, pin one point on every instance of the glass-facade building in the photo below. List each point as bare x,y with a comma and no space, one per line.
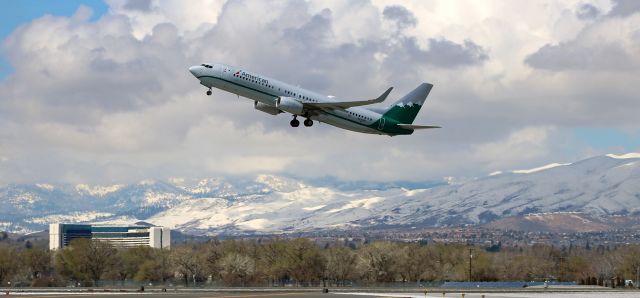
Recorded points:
60,235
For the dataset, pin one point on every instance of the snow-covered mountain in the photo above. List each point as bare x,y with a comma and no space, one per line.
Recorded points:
599,187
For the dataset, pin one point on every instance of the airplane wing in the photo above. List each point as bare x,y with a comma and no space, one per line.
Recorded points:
412,126
348,104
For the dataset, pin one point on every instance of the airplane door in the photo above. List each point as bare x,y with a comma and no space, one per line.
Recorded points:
381,124
226,71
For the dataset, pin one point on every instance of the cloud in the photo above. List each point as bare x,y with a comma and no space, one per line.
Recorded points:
606,44
440,51
112,100
88,70
400,15
587,11
141,5
624,8
445,53
576,56
315,32
522,145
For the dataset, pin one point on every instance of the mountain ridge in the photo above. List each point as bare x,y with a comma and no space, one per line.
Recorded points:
598,187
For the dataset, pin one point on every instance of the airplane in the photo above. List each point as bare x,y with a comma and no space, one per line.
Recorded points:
275,97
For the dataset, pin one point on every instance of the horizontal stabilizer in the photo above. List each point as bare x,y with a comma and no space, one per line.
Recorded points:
412,126
349,104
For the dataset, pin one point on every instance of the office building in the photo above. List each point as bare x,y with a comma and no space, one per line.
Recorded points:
60,235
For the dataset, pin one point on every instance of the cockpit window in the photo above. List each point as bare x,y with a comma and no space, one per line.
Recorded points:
206,65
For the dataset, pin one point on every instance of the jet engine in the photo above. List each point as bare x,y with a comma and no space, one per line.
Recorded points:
289,104
266,108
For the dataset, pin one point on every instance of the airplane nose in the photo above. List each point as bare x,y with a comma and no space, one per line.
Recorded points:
193,69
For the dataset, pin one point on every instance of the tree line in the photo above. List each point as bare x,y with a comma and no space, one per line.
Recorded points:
302,262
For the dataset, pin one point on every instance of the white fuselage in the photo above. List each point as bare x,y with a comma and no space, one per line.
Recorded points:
267,91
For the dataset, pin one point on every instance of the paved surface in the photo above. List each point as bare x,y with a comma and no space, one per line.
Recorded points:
187,295
311,293
502,295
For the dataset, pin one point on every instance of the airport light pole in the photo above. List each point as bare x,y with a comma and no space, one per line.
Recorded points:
470,258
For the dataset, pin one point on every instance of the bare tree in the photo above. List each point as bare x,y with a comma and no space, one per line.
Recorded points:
377,261
304,262
213,252
37,261
341,264
189,263
86,259
156,268
271,261
236,267
416,262
9,264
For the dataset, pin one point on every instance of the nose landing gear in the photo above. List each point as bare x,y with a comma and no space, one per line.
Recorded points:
209,91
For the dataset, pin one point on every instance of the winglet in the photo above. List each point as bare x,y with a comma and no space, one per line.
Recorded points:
384,95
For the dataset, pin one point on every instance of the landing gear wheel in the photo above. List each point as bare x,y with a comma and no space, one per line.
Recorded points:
209,92
308,122
295,122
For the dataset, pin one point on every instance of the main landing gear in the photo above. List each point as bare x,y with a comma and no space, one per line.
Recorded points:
308,122
209,91
295,122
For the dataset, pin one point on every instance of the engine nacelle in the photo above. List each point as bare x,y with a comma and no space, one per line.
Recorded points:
266,108
289,104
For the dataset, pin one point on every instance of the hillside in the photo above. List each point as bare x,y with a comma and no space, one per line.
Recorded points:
598,193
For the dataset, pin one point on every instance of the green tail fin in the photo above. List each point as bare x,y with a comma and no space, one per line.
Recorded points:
406,109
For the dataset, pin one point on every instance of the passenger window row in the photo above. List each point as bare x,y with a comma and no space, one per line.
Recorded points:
271,86
253,81
359,116
300,96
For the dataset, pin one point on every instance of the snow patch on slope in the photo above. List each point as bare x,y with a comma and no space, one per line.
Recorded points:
363,203
539,169
279,183
45,186
314,208
75,217
98,190
625,156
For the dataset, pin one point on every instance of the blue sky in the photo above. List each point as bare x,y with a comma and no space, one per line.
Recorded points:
16,13
604,138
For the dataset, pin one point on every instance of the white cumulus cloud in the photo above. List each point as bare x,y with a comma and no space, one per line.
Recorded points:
111,101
